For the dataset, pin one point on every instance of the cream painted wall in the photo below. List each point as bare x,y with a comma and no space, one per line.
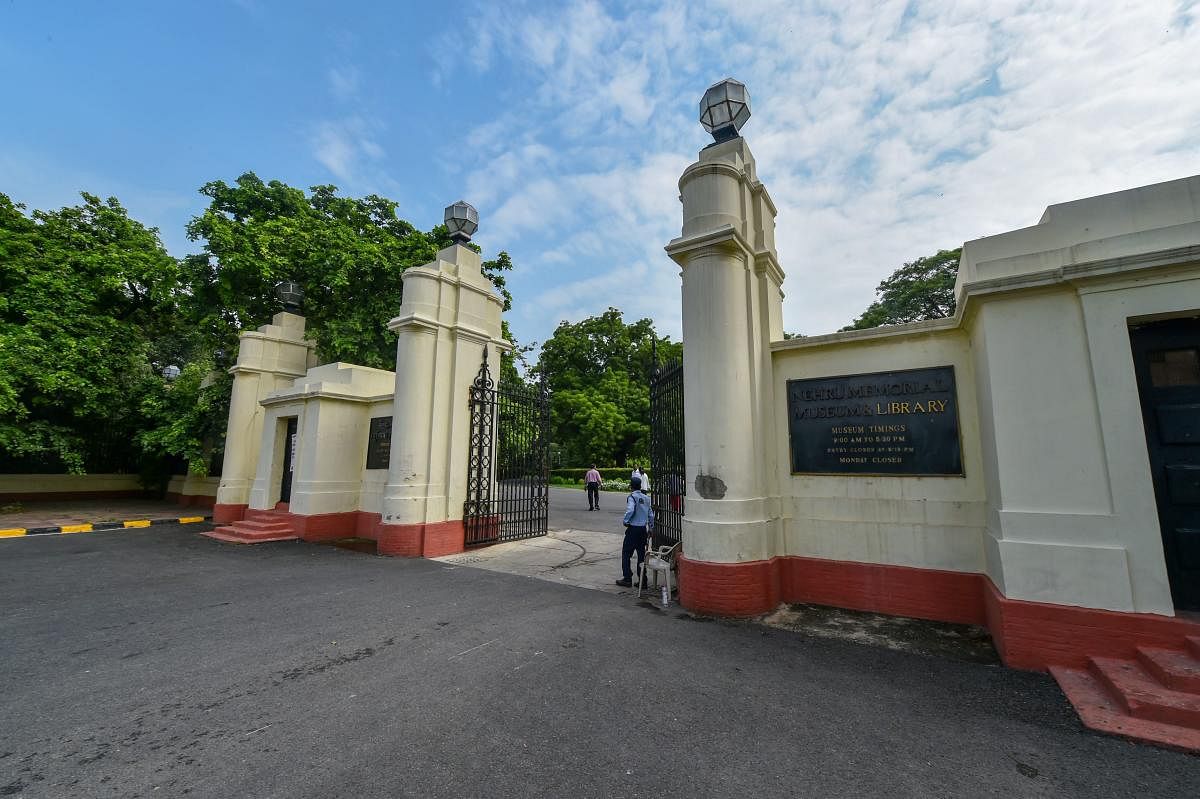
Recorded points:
450,315
1122,224
926,522
1053,533
1057,504
269,359
1108,310
732,306
1073,516
268,475
65,483
193,485
334,404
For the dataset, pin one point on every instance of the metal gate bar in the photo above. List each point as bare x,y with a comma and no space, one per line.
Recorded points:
668,484
508,494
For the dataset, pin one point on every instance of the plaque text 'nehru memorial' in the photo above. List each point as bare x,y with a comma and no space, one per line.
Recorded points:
903,423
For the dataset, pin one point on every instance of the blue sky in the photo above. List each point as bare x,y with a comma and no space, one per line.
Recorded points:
884,130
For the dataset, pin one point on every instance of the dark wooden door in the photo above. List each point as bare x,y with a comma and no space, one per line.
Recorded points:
289,461
1167,360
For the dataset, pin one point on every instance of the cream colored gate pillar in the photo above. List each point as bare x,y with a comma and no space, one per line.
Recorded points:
732,309
450,313
269,359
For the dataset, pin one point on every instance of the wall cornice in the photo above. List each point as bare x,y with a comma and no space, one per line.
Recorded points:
1089,277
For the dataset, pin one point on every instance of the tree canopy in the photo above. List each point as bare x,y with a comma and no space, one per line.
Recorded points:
598,371
921,289
348,255
93,310
88,305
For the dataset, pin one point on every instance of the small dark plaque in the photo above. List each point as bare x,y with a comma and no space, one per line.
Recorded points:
902,423
379,443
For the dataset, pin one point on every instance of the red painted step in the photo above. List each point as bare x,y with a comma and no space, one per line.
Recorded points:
259,526
1174,669
234,536
1145,697
1193,643
1101,711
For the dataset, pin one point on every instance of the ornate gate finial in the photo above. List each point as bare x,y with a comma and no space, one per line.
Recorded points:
484,378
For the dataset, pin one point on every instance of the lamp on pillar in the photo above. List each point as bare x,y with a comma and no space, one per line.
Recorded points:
731,282
724,108
291,295
462,220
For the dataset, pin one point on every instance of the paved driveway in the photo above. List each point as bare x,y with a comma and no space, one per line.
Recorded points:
569,510
159,663
583,548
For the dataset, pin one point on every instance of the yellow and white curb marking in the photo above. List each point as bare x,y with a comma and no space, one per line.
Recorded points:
17,532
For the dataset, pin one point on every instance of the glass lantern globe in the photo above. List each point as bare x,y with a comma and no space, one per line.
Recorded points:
462,220
724,108
291,295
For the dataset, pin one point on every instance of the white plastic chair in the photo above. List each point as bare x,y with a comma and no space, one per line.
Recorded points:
661,560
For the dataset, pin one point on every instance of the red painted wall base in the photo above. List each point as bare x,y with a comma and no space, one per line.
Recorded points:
227,514
729,589
402,540
421,540
1028,635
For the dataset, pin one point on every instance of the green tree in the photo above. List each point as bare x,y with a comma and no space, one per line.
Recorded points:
185,417
93,310
598,371
349,256
88,322
922,289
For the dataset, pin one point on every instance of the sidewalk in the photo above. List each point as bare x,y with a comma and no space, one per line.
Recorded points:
582,558
43,515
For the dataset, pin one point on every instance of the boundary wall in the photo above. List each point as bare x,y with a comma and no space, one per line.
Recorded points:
1050,537
43,487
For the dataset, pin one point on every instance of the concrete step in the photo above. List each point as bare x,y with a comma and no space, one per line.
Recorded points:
1101,711
1193,644
261,525
234,536
254,513
1143,696
1177,670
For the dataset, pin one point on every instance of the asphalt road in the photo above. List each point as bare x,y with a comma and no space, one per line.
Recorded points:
569,511
148,663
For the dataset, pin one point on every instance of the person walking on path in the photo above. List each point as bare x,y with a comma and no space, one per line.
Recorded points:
639,521
592,481
641,476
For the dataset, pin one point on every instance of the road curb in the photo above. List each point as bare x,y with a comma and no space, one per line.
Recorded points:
20,532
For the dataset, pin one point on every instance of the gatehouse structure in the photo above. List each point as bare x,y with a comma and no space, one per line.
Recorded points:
331,451
1030,464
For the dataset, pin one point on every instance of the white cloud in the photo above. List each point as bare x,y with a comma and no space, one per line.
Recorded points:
342,146
884,131
343,82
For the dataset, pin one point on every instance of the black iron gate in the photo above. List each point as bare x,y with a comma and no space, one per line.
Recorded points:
508,470
668,481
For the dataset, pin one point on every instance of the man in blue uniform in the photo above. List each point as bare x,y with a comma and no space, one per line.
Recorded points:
639,521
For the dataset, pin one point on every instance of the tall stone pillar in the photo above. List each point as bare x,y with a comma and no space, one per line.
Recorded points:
269,359
732,310
450,313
